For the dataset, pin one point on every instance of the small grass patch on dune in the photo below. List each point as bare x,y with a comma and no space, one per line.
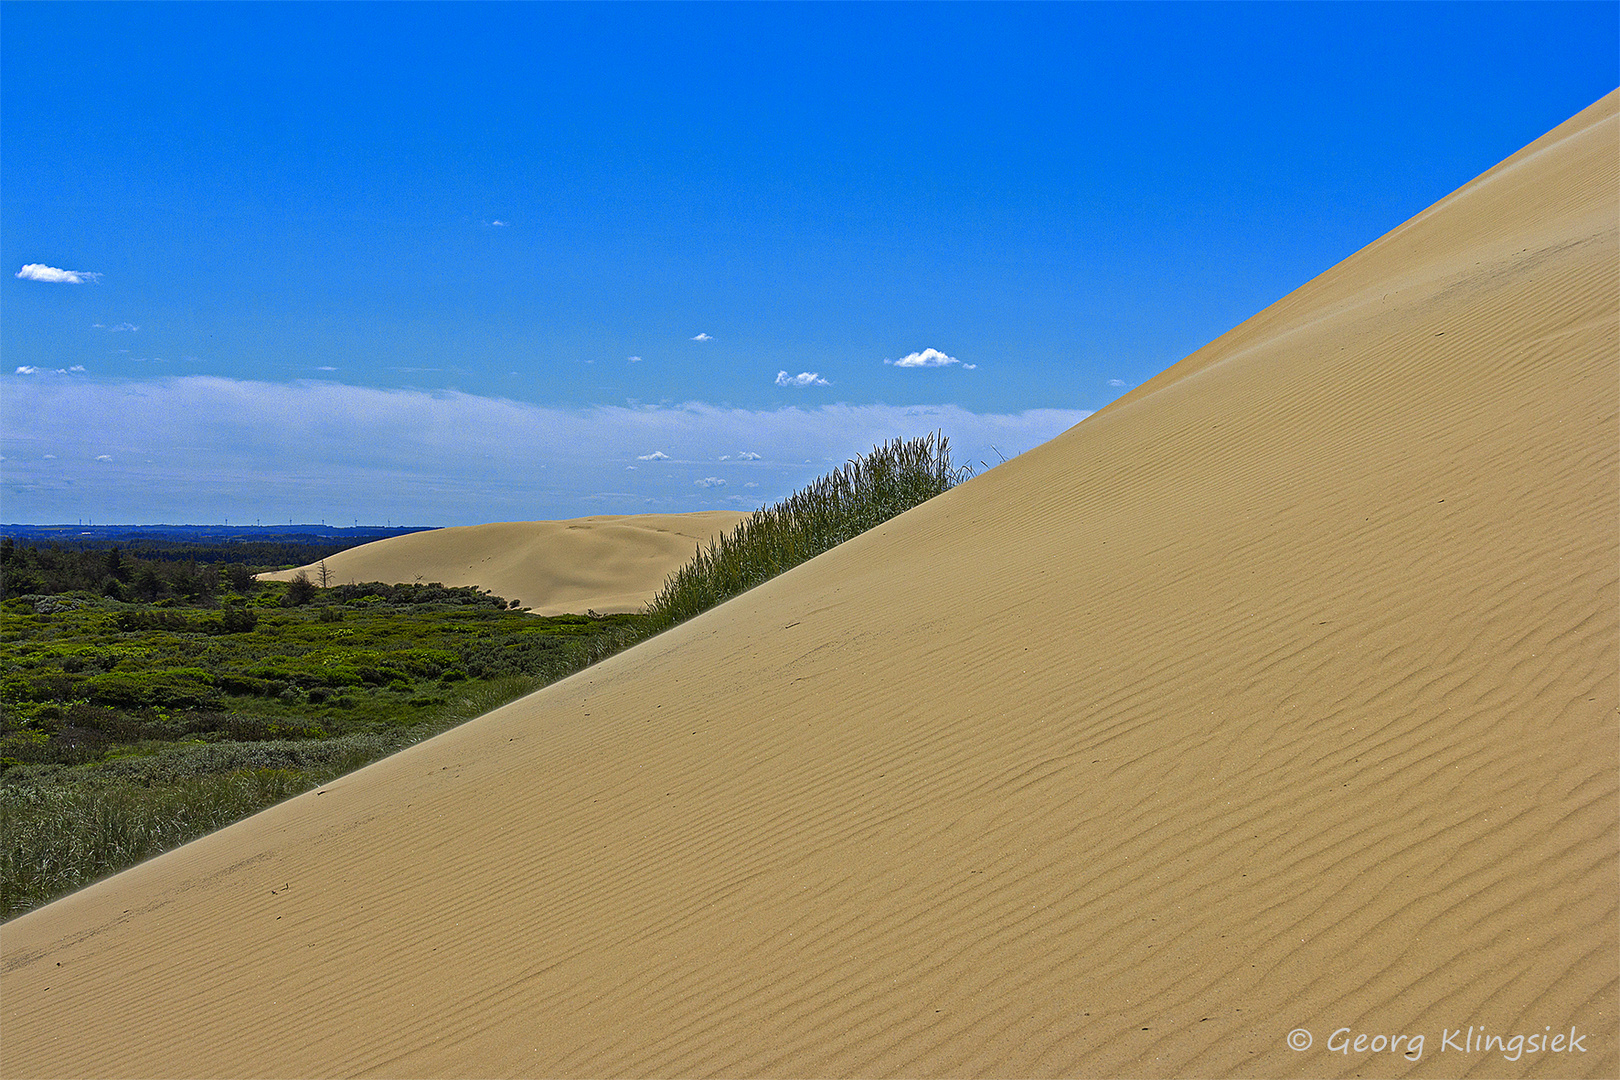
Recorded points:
865,493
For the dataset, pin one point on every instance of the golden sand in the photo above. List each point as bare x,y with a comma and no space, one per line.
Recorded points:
1280,695
607,563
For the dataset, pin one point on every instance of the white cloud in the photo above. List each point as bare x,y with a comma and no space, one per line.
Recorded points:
122,328
27,370
41,272
326,369
499,224
1116,382
656,455
635,360
710,482
103,457
926,358
185,448
803,378
76,367
748,455
702,337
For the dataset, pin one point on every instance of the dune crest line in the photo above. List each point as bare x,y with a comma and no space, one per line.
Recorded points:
607,563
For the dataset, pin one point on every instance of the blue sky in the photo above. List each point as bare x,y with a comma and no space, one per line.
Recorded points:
444,264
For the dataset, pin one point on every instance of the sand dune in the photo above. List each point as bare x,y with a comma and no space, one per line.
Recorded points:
605,563
1279,695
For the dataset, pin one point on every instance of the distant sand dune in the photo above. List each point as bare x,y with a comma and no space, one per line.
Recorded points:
1281,694
605,563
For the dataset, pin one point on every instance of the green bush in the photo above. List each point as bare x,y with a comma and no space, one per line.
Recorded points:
175,688
248,686
300,591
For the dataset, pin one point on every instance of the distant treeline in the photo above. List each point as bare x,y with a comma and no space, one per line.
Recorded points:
126,535
113,572
54,569
266,554
182,562
261,547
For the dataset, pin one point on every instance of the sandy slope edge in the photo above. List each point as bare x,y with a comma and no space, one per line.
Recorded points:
1280,695
606,563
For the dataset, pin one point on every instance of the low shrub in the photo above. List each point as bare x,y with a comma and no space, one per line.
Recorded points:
174,688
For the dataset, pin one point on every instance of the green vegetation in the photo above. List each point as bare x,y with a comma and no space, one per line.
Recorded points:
128,726
62,828
44,559
865,493
112,571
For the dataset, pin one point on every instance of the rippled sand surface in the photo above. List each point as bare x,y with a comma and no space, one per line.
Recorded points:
1280,696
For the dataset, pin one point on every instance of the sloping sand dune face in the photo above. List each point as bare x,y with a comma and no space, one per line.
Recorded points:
1280,695
606,563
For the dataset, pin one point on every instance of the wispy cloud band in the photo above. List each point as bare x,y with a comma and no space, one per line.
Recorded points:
198,448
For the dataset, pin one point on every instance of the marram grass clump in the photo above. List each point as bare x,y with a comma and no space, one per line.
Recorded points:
866,492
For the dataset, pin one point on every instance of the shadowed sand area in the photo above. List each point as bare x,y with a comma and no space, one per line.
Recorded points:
1279,694
605,563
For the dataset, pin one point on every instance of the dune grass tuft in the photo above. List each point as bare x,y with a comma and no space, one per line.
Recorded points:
866,492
